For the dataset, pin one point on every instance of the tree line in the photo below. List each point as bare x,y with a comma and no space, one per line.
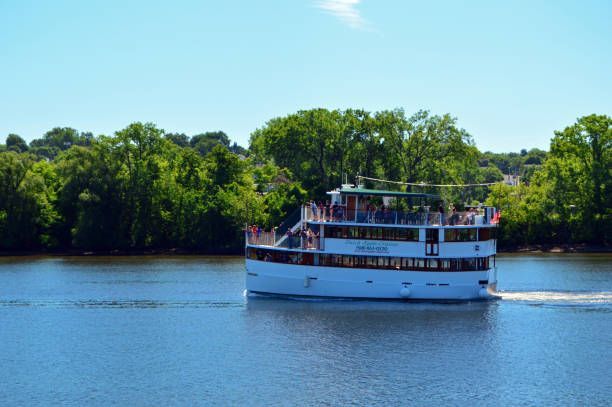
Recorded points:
138,189
143,188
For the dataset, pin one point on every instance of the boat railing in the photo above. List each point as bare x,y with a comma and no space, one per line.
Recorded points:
289,242
260,238
302,242
392,217
295,241
282,235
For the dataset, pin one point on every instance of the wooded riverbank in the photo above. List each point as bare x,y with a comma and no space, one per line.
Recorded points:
146,190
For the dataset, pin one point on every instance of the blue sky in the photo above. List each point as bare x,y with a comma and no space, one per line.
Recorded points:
511,72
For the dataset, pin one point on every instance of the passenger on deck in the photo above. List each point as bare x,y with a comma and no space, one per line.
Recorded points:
421,216
473,212
387,214
304,237
321,212
372,217
313,209
340,213
454,218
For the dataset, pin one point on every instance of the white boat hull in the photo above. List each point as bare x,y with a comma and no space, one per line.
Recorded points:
336,282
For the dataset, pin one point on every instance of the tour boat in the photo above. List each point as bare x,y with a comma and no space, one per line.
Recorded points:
375,244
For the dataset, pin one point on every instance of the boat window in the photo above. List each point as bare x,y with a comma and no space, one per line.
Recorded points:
361,261
460,235
347,261
484,234
375,233
363,233
380,262
431,235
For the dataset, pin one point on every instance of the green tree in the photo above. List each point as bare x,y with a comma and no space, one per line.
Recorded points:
59,139
231,201
180,139
16,143
579,169
365,155
429,149
237,149
89,198
224,167
27,212
139,147
310,143
204,142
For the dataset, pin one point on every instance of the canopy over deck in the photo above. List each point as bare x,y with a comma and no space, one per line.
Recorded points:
379,192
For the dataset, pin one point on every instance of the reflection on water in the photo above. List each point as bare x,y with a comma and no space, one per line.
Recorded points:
358,306
351,317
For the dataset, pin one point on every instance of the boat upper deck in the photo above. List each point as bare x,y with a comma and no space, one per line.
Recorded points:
381,217
365,208
350,204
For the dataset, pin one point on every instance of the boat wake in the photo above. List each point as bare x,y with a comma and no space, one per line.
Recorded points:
598,299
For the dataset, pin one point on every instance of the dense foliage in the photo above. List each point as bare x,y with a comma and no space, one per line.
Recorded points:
569,199
144,189
135,190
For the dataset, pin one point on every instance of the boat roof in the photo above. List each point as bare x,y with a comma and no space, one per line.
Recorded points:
379,192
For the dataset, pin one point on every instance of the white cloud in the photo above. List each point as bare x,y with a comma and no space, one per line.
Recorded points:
345,10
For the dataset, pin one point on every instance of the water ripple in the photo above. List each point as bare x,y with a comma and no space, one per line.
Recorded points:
120,304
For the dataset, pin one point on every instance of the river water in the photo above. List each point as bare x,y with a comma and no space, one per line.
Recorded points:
179,331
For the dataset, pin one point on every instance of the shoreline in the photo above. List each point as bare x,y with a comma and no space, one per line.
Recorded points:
119,253
534,249
557,248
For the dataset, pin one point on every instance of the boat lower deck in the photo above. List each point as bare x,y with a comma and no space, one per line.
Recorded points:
491,297
311,281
